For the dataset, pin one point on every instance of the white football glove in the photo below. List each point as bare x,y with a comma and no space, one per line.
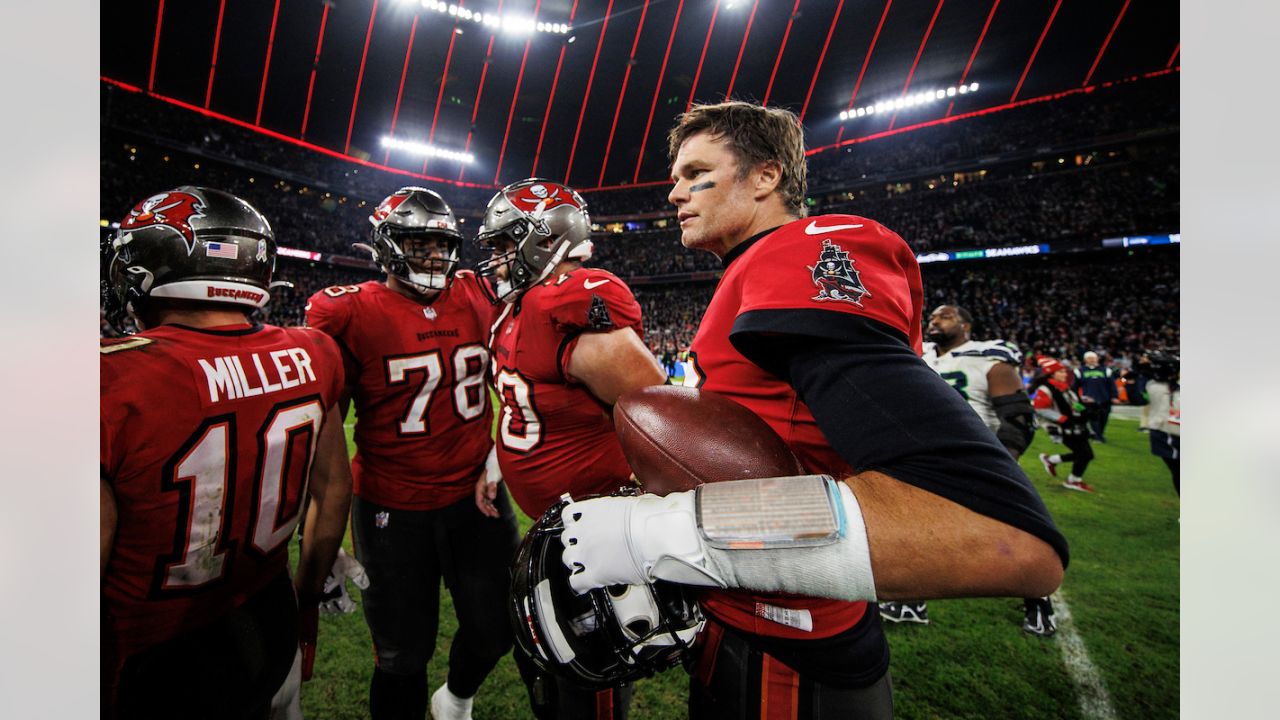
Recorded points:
335,599
635,540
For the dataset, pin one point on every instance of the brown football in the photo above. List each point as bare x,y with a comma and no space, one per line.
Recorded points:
676,438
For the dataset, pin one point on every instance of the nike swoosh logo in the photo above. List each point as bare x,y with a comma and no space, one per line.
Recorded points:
813,229
593,285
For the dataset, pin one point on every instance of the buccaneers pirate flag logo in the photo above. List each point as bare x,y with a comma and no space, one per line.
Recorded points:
836,277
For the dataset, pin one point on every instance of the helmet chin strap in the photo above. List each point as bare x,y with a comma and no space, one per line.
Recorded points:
427,282
503,289
556,259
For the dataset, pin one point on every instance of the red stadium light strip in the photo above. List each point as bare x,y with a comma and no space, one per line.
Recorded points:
515,95
965,75
821,59
1174,56
866,61
213,62
652,183
701,58
306,113
155,48
734,77
355,100
644,139
573,150
444,76
123,85
1105,43
266,64
475,107
395,114
555,82
285,138
777,60
1035,51
626,79
990,110
915,63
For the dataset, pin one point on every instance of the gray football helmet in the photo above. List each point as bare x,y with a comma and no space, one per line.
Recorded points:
189,243
414,212
547,222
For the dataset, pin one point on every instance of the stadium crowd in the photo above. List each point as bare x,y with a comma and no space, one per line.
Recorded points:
1122,178
1115,304
1139,110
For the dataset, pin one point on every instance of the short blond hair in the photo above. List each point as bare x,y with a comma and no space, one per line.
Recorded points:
755,134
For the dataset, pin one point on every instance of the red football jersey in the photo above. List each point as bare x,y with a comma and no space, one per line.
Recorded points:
417,374
207,439
838,264
554,436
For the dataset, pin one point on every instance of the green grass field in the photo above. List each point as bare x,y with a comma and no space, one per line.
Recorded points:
973,660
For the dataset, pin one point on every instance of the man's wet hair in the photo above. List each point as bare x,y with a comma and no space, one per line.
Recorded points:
755,134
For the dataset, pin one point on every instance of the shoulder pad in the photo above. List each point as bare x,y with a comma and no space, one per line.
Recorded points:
1002,350
337,291
113,345
998,350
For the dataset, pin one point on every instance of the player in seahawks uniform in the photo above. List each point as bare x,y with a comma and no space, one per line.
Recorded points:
985,373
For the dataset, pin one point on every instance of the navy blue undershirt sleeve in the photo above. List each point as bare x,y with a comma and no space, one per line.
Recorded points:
882,408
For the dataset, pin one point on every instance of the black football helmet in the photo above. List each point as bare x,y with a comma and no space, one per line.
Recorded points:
414,212
189,243
547,221
604,637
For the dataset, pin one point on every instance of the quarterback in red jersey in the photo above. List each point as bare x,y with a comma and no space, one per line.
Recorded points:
816,327
212,431
416,369
567,343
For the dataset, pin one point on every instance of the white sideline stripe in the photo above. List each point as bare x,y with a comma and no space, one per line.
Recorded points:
1095,701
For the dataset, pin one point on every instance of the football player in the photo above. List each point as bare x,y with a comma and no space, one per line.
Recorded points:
816,327
985,373
416,369
567,343
213,428
1096,385
1058,405
1162,408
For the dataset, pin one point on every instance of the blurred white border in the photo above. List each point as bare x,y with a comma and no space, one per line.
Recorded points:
48,272
1231,398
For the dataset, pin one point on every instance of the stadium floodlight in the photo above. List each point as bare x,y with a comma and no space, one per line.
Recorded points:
514,24
425,150
923,97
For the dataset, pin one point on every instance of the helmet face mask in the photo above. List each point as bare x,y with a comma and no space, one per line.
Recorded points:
415,213
545,222
604,637
189,244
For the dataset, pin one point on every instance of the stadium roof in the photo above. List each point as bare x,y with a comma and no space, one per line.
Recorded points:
592,106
